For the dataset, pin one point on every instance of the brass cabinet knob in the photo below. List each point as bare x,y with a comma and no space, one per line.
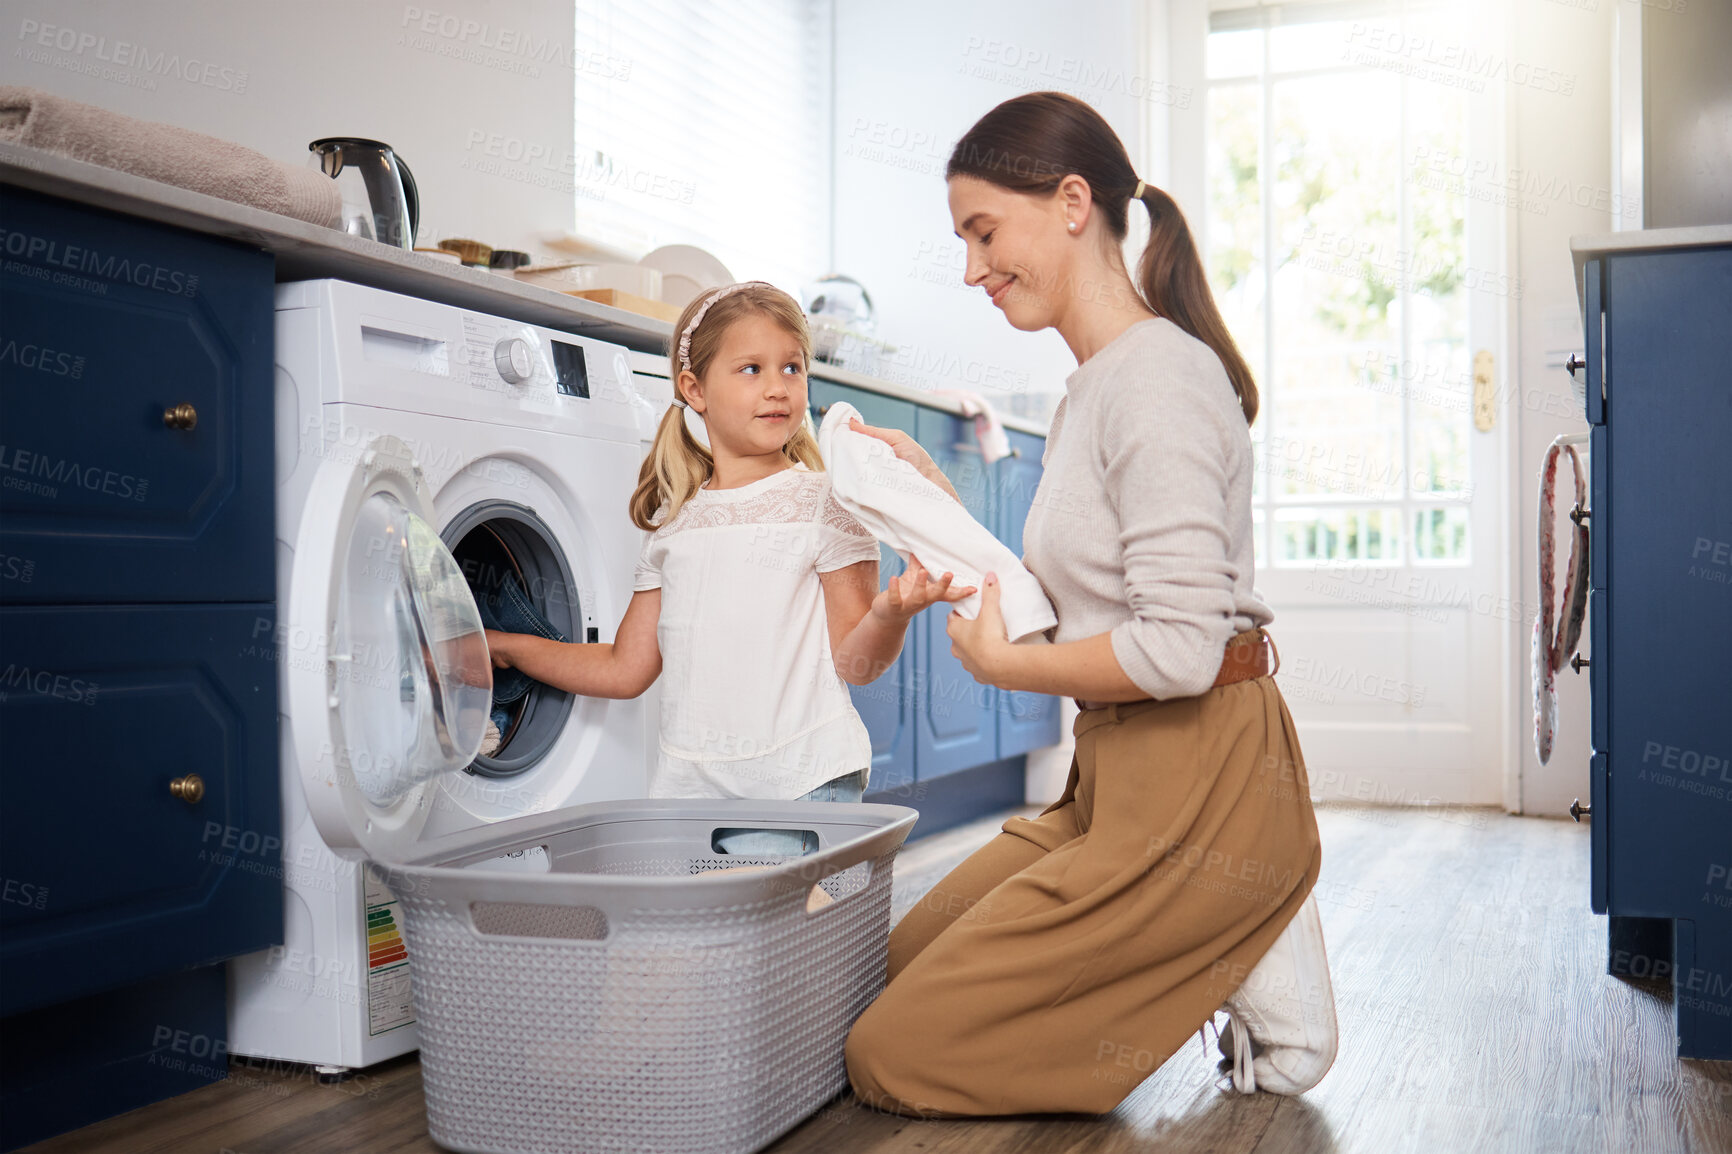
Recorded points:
1578,663
1579,811
182,416
189,789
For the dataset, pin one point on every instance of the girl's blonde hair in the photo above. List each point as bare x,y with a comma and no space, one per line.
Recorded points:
677,464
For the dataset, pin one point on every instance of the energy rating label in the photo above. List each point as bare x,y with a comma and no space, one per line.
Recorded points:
388,1003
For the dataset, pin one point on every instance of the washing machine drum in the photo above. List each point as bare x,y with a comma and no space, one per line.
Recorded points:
505,605
521,582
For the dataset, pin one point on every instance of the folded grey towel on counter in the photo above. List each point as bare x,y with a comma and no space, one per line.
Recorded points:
162,152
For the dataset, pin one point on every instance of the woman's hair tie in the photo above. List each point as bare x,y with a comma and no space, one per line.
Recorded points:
1138,194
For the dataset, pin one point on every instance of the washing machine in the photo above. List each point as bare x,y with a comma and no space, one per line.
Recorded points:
519,446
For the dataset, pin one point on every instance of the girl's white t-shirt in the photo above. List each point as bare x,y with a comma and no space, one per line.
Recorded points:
752,705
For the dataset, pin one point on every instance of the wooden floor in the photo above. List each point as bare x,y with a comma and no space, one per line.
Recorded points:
1470,985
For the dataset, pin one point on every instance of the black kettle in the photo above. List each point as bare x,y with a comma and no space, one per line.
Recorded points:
380,200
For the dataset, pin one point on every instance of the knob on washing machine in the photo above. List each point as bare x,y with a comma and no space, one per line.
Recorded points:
511,358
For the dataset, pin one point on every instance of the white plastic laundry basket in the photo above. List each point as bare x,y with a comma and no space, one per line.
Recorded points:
581,987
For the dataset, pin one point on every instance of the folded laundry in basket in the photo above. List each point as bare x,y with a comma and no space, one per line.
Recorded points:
165,153
912,515
507,608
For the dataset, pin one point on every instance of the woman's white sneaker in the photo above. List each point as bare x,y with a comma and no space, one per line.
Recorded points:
1283,1015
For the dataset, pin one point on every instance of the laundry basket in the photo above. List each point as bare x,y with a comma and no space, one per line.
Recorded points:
581,986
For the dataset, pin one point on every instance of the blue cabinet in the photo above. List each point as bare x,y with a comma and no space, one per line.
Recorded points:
114,877
1661,617
955,726
136,450
886,705
1025,720
928,717
140,836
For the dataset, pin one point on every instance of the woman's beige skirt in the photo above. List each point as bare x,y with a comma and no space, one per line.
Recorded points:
1113,924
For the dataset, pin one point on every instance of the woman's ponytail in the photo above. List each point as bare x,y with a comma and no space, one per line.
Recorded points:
1171,279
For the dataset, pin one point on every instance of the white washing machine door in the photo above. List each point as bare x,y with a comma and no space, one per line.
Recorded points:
388,677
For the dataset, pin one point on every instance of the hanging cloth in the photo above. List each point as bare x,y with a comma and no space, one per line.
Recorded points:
1553,646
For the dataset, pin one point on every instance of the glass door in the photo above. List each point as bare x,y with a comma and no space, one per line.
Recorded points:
1361,275
390,681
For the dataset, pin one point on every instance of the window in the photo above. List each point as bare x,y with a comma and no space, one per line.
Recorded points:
706,124
1337,247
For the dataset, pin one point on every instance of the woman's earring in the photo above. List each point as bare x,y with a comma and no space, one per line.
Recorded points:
1072,225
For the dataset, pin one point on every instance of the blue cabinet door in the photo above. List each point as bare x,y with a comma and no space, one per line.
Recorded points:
885,705
955,723
1667,529
110,876
1025,720
1668,420
110,490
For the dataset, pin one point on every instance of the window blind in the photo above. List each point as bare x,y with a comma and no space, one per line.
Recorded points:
706,124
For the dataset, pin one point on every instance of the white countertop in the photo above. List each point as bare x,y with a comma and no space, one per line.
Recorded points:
305,251
1585,248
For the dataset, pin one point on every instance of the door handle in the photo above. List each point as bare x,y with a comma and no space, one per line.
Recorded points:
181,416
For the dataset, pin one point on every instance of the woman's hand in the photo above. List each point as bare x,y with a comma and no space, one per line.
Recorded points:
981,644
913,590
908,449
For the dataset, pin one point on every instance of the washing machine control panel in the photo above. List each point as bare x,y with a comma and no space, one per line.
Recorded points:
406,354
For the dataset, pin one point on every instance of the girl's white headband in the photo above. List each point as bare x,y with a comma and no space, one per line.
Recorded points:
697,317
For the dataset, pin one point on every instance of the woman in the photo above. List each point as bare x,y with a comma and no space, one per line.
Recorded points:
1061,964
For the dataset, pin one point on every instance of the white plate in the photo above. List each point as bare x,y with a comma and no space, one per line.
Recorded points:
687,270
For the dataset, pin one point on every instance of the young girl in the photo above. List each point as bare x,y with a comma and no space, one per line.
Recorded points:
756,591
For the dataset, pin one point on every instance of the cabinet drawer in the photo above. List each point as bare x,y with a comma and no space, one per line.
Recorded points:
109,876
110,324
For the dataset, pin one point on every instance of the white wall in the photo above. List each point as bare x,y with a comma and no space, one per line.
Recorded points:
1563,144
911,77
457,87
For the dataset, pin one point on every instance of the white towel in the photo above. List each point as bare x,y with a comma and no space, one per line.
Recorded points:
912,515
988,430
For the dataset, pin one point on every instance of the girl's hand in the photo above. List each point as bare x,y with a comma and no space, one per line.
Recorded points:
913,590
981,644
909,450
497,641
